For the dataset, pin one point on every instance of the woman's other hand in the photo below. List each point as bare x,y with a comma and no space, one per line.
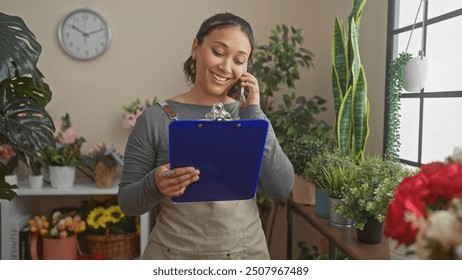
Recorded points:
173,182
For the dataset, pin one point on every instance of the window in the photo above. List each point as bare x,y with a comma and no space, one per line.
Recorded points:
430,120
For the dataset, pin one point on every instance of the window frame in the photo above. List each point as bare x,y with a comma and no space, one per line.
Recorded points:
422,95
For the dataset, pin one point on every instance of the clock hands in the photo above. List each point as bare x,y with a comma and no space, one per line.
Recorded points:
87,34
96,31
81,31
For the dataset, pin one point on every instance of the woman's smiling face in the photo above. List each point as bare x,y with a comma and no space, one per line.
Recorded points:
221,60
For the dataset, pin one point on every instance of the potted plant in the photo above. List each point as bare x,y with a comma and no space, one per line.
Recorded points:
366,200
334,172
63,158
109,231
25,125
59,235
349,86
36,177
102,161
301,153
395,88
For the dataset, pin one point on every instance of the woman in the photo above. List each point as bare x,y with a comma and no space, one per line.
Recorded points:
215,69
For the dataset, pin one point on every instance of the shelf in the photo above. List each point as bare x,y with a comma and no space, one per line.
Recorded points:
82,186
343,239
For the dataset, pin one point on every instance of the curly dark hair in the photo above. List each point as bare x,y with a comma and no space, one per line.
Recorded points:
210,24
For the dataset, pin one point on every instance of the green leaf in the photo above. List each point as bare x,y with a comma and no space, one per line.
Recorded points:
19,48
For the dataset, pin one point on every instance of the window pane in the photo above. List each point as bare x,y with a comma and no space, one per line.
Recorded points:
409,129
443,54
442,128
440,7
406,11
401,39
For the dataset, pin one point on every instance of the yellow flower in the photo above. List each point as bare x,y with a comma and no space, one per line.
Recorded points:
115,214
97,218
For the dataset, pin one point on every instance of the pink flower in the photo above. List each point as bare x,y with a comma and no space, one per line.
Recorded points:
6,152
69,136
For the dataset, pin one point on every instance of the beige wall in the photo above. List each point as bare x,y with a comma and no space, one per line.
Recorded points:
151,39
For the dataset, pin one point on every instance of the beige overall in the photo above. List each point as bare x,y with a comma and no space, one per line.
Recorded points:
207,230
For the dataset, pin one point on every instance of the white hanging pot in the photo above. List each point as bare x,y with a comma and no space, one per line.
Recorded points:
415,73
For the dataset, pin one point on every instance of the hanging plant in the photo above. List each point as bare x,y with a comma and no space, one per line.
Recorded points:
395,88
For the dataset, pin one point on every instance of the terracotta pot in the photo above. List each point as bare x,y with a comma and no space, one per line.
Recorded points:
303,192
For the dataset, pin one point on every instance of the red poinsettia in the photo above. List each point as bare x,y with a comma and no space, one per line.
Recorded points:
418,196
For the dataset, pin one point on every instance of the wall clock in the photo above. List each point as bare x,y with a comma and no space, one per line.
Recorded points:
84,34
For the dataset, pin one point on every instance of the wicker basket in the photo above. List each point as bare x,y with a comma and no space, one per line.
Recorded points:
114,246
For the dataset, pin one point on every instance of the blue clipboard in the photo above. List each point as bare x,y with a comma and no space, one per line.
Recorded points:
227,153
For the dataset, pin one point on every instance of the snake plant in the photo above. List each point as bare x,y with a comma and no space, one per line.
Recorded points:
349,86
24,122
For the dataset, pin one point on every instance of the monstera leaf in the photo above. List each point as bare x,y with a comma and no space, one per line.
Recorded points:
19,50
24,122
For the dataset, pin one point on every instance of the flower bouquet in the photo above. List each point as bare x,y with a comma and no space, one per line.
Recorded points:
426,210
109,231
134,110
59,237
63,225
102,163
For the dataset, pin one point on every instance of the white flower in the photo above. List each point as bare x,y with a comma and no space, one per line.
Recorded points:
457,154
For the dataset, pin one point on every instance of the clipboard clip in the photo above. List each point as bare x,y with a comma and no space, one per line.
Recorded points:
218,113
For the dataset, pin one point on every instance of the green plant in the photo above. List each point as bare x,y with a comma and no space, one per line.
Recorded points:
333,172
394,87
370,195
25,124
297,119
301,152
349,86
36,166
67,151
277,63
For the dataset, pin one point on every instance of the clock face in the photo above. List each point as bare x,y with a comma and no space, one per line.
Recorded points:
84,34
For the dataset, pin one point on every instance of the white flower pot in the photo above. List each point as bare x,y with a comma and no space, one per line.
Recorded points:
35,181
62,177
415,74
11,179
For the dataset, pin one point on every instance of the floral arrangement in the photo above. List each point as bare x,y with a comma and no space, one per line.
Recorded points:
134,110
68,145
8,160
427,210
105,218
101,153
63,224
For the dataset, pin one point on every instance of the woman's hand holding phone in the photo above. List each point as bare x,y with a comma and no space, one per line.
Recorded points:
250,84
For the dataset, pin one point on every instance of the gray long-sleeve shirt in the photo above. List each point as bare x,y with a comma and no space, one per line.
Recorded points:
148,147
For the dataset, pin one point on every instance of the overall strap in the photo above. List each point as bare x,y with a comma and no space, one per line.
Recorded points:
168,109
